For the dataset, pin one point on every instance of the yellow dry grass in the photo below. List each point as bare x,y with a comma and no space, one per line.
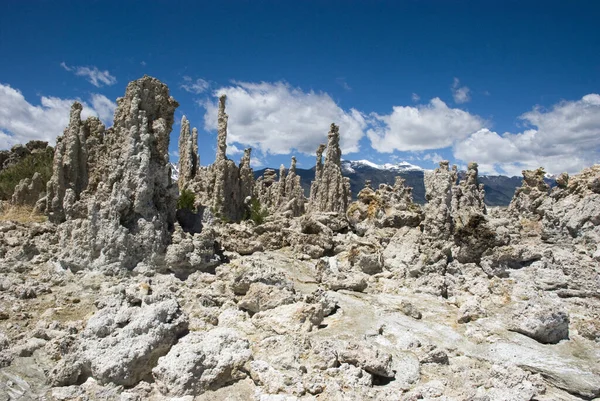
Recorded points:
21,214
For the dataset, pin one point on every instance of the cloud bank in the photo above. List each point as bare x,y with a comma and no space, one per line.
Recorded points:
563,138
21,121
277,118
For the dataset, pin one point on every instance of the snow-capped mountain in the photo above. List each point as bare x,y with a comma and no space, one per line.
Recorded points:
350,166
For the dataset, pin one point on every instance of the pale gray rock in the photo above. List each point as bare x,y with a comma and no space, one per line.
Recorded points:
223,187
437,224
329,191
201,361
191,252
29,190
367,358
261,297
543,323
287,319
114,188
122,342
188,154
284,196
388,206
530,196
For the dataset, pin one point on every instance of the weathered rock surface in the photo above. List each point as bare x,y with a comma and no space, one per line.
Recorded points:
29,191
112,190
330,191
202,361
123,341
385,207
284,196
223,187
188,153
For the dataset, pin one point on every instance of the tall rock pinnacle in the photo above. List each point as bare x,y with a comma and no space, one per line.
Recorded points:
330,192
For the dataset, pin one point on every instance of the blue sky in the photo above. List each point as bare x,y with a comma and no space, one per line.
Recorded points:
510,84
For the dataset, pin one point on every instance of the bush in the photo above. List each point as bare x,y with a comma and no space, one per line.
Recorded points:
257,213
186,200
40,162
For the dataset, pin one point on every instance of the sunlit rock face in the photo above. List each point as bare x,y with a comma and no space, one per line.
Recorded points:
330,191
112,189
224,188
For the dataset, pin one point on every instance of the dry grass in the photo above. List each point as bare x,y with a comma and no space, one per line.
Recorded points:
21,214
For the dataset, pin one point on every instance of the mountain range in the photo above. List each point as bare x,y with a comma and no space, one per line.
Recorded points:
499,189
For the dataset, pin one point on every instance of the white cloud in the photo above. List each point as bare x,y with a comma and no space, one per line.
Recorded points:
342,82
93,74
434,157
460,93
257,161
234,150
198,86
20,121
276,118
415,98
564,138
432,126
104,107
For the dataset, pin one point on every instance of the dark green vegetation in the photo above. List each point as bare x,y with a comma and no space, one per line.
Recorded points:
186,200
256,213
40,162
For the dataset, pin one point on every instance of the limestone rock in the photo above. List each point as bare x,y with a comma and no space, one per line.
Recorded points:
201,361
261,297
188,153
284,196
541,322
122,341
223,187
438,209
293,318
367,358
29,191
388,206
329,191
113,189
189,253
529,197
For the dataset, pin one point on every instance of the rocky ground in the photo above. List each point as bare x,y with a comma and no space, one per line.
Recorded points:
120,297
276,326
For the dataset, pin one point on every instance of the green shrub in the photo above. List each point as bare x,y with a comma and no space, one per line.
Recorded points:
40,162
186,200
257,213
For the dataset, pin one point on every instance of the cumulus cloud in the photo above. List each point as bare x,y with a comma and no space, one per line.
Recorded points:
276,118
195,86
234,150
431,126
460,93
434,157
93,74
104,107
20,121
564,138
415,98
